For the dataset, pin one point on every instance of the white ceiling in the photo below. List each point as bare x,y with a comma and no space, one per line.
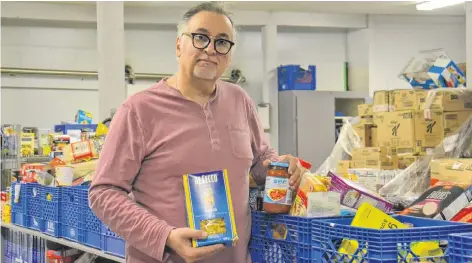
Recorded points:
343,7
346,7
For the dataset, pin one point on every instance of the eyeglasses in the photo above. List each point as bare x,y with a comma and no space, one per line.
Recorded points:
202,41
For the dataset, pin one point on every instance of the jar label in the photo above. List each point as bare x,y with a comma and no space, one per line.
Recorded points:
277,191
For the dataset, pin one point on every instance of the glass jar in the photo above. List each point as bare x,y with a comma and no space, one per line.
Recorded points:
277,194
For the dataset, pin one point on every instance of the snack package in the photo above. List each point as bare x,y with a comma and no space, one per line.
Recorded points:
442,201
83,117
309,184
80,151
354,195
465,215
370,217
210,208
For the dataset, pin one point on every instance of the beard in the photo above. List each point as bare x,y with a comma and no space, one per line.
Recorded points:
207,73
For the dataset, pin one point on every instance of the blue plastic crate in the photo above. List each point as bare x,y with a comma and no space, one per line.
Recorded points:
460,248
379,245
34,210
92,229
64,128
293,77
280,238
71,212
50,205
112,243
20,205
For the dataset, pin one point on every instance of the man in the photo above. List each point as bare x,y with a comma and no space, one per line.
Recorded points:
188,123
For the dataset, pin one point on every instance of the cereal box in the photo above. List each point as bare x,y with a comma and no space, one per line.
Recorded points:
210,208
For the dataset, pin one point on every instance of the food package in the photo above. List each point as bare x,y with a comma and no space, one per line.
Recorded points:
452,170
372,218
210,208
354,195
396,129
465,215
372,179
448,100
309,184
85,170
83,117
365,110
375,158
381,101
442,201
432,69
323,204
406,99
80,151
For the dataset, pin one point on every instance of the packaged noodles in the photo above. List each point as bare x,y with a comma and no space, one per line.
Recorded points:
210,208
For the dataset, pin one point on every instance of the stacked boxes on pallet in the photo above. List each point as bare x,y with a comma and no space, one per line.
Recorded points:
63,212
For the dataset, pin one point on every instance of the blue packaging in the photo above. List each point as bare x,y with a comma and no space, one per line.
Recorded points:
83,117
210,208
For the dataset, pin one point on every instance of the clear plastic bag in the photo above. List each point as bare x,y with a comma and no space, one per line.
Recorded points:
415,180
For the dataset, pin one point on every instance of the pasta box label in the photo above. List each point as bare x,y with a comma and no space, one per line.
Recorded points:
210,208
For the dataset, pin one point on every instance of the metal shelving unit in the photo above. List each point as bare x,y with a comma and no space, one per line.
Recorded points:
64,242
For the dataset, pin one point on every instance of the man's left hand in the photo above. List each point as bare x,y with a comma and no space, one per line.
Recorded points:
294,170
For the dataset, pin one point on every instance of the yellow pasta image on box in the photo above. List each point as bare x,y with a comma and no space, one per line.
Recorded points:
210,208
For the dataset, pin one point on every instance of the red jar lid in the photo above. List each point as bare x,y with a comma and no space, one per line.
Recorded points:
305,164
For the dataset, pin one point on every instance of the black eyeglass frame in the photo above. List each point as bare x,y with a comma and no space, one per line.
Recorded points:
193,35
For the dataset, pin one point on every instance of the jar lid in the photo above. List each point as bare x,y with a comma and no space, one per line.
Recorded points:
285,165
305,164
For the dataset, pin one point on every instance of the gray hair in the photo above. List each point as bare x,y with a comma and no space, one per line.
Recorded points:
214,7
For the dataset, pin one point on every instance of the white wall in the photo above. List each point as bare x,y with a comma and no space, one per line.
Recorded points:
357,56
147,50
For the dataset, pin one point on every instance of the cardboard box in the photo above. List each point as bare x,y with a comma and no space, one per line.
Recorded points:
429,133
381,101
375,158
365,110
373,136
454,120
396,129
343,167
363,130
408,99
452,170
451,101
404,161
367,120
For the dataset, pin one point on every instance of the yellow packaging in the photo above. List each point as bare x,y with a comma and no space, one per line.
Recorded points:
343,167
396,129
309,184
27,143
408,99
368,216
429,132
80,151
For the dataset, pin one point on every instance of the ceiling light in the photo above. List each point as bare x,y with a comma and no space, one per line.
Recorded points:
435,4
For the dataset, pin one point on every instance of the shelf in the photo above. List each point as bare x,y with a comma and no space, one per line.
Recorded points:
64,242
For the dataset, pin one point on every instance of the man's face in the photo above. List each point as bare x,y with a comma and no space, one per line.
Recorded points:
205,63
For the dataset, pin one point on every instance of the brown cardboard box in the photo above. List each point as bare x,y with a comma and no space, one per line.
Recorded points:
365,110
396,129
381,101
454,120
408,99
367,120
404,161
452,170
451,101
343,167
429,133
363,130
375,158
373,136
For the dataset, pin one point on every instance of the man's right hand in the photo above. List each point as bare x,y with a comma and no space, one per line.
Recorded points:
180,240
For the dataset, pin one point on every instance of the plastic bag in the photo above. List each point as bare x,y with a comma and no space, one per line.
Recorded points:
415,180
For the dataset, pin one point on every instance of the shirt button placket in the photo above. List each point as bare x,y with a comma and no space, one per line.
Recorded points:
215,141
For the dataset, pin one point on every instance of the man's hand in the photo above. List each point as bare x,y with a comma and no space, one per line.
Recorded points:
294,170
179,240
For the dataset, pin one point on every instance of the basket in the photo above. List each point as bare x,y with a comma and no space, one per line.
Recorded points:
293,77
18,209
72,212
112,243
379,245
280,238
92,228
460,248
34,211
50,197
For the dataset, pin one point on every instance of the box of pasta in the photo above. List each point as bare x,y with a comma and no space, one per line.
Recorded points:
210,208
